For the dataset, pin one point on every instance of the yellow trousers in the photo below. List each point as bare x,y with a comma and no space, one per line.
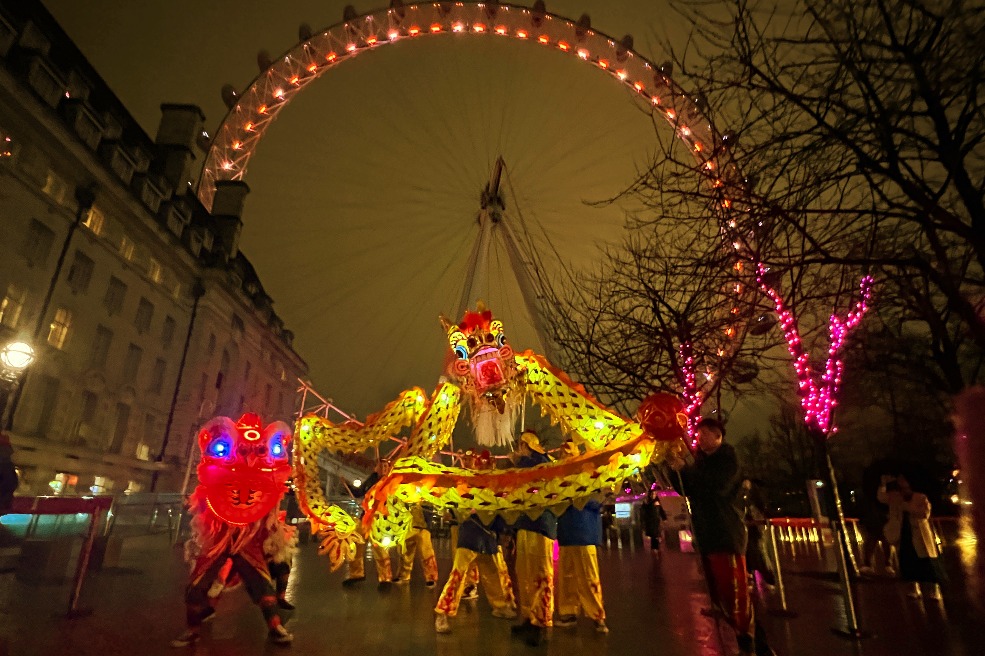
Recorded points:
495,581
578,583
535,577
381,556
418,542
473,576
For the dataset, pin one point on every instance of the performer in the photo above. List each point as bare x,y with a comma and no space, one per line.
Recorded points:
235,517
418,541
478,546
381,556
279,550
534,554
579,587
478,555
711,483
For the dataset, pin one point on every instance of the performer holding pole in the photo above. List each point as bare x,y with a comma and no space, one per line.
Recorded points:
243,471
711,484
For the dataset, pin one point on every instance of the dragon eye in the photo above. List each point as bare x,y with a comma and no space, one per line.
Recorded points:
219,447
473,342
501,340
461,352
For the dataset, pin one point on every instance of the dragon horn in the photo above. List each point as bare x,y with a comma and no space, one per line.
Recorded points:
445,323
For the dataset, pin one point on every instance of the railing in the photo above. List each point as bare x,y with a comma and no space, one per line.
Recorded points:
93,507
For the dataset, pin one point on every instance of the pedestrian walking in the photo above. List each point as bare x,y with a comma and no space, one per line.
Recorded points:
908,528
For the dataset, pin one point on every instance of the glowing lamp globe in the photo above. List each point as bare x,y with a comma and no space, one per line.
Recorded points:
17,356
663,417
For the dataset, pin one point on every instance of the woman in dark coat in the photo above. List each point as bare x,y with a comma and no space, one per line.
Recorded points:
651,516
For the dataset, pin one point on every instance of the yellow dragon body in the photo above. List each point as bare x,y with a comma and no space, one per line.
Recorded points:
487,372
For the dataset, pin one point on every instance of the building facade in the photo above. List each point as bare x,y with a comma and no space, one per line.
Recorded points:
145,317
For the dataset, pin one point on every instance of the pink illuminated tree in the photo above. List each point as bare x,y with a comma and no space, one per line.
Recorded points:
818,393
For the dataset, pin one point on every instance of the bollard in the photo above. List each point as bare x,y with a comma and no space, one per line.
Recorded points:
778,573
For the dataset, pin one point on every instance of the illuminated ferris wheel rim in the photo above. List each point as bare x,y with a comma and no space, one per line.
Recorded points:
252,111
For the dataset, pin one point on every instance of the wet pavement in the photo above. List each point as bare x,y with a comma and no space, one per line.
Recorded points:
653,604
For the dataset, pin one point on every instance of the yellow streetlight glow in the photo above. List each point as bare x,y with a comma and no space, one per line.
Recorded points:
17,356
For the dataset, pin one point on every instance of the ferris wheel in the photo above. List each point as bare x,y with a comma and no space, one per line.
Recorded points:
509,231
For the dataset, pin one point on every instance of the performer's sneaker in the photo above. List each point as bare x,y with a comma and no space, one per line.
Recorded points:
284,604
504,613
471,593
353,581
209,615
600,626
400,581
430,584
566,621
441,624
280,635
189,637
384,586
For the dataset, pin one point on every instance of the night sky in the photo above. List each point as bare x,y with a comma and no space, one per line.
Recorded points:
365,190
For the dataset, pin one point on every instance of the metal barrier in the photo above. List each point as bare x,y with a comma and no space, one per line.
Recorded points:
63,506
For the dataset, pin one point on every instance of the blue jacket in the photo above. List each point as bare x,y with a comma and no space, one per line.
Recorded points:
475,536
580,528
546,524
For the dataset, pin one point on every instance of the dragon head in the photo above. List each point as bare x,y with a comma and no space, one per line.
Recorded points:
482,362
244,466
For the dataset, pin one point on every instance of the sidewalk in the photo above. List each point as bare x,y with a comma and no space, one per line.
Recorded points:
653,606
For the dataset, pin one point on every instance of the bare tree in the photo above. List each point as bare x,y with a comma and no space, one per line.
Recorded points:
858,127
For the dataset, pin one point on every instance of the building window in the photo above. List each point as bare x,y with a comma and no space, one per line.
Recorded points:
131,365
157,376
115,294
12,305
268,393
145,313
58,331
100,347
143,451
237,326
154,270
80,274
246,372
86,429
150,437
127,248
121,429
95,220
37,243
56,187
167,331
210,351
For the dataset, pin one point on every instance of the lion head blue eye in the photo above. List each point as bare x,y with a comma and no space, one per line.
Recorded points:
501,340
220,447
461,352
277,447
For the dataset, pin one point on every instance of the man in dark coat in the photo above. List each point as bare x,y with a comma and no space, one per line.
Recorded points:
711,484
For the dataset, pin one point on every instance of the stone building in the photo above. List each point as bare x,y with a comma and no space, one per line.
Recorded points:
145,316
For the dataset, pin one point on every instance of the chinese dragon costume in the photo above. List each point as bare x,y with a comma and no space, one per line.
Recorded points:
494,381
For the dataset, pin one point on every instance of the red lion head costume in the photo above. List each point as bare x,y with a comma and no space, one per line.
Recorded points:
244,467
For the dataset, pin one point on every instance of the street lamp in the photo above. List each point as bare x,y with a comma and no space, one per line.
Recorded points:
15,357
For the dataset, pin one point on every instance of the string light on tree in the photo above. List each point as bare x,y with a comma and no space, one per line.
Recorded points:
818,397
